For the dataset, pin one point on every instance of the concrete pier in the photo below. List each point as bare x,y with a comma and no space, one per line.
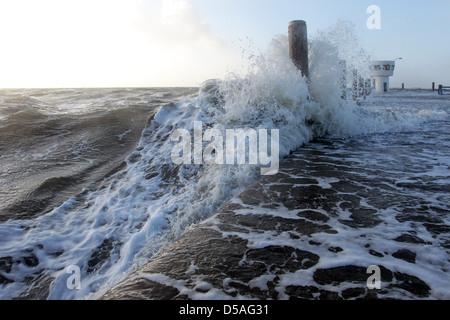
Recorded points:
298,45
267,242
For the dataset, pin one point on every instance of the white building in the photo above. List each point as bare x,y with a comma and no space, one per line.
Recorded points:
381,71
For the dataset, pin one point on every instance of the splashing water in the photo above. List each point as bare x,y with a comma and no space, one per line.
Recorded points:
135,213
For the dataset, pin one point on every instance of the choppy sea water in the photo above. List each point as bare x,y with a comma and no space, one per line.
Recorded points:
87,178
55,142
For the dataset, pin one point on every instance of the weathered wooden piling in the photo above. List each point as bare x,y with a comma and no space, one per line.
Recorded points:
361,88
368,86
355,84
298,45
343,79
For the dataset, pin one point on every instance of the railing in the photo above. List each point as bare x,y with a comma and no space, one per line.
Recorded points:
441,90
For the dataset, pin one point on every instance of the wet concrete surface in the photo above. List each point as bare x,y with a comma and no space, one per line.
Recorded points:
290,236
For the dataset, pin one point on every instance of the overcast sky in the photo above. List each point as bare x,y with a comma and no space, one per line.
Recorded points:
154,43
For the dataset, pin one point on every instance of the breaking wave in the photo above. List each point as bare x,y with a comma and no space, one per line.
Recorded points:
112,230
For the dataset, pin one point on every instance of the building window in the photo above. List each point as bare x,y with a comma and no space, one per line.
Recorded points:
386,67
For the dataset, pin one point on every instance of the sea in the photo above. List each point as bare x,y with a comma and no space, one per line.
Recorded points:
87,177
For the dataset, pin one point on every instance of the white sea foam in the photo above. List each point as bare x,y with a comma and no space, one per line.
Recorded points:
111,231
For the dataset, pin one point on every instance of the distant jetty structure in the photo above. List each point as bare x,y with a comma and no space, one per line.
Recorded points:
381,71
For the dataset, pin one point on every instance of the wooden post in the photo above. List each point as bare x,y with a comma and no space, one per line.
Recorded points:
432,86
343,79
368,86
298,45
355,84
361,90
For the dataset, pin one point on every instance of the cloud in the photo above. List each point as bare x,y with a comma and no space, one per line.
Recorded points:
53,43
184,45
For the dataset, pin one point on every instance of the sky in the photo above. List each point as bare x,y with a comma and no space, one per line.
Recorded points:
172,43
